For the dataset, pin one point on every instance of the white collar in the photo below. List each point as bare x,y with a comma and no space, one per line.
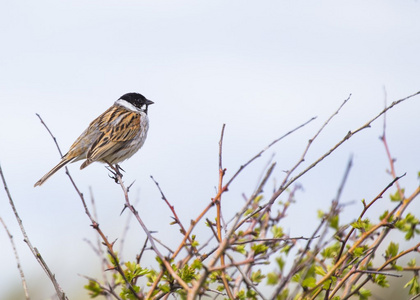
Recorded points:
127,105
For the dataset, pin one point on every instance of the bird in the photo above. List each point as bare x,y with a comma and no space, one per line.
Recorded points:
111,138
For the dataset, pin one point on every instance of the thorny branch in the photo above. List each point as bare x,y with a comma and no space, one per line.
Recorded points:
250,229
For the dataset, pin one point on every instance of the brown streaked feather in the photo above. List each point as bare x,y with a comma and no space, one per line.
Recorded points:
113,138
61,164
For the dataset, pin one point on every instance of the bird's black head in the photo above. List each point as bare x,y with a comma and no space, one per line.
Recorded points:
138,100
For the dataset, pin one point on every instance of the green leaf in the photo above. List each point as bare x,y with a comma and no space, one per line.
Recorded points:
241,249
409,235
220,288
197,264
363,225
241,295
364,294
257,276
396,267
331,251
397,195
309,282
113,261
334,222
259,248
187,273
412,263
94,289
384,215
280,263
327,283
251,294
283,295
164,288
359,251
381,280
320,271
272,278
286,249
296,277
127,294
277,232
249,211
392,250
413,284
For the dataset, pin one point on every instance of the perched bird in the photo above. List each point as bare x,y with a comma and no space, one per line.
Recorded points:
112,137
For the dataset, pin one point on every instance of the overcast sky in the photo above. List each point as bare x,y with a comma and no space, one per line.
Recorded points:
261,67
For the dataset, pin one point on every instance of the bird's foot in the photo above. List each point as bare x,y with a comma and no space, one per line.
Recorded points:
115,171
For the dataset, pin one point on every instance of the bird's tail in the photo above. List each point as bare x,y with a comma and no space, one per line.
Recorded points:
61,164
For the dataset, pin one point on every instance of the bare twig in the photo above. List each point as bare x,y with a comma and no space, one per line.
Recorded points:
284,186
126,228
275,240
100,251
266,148
219,212
60,293
224,244
175,216
415,297
378,273
387,150
163,259
22,275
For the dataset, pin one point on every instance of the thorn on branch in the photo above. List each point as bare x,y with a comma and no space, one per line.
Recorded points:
128,188
125,206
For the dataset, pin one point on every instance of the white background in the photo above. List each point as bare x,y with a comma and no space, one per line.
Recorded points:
261,67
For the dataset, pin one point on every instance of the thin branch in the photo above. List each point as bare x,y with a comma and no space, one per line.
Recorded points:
192,293
126,228
109,290
245,278
302,159
335,147
175,216
365,208
53,137
415,297
268,147
100,251
60,293
387,150
378,273
22,275
128,204
219,213
275,240
95,224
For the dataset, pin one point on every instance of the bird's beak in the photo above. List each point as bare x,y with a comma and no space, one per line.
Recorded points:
149,102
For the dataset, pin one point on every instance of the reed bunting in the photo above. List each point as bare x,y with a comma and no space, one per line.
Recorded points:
112,137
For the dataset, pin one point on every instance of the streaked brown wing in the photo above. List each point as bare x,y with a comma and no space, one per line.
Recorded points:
116,126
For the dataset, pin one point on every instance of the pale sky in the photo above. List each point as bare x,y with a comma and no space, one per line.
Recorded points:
261,67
